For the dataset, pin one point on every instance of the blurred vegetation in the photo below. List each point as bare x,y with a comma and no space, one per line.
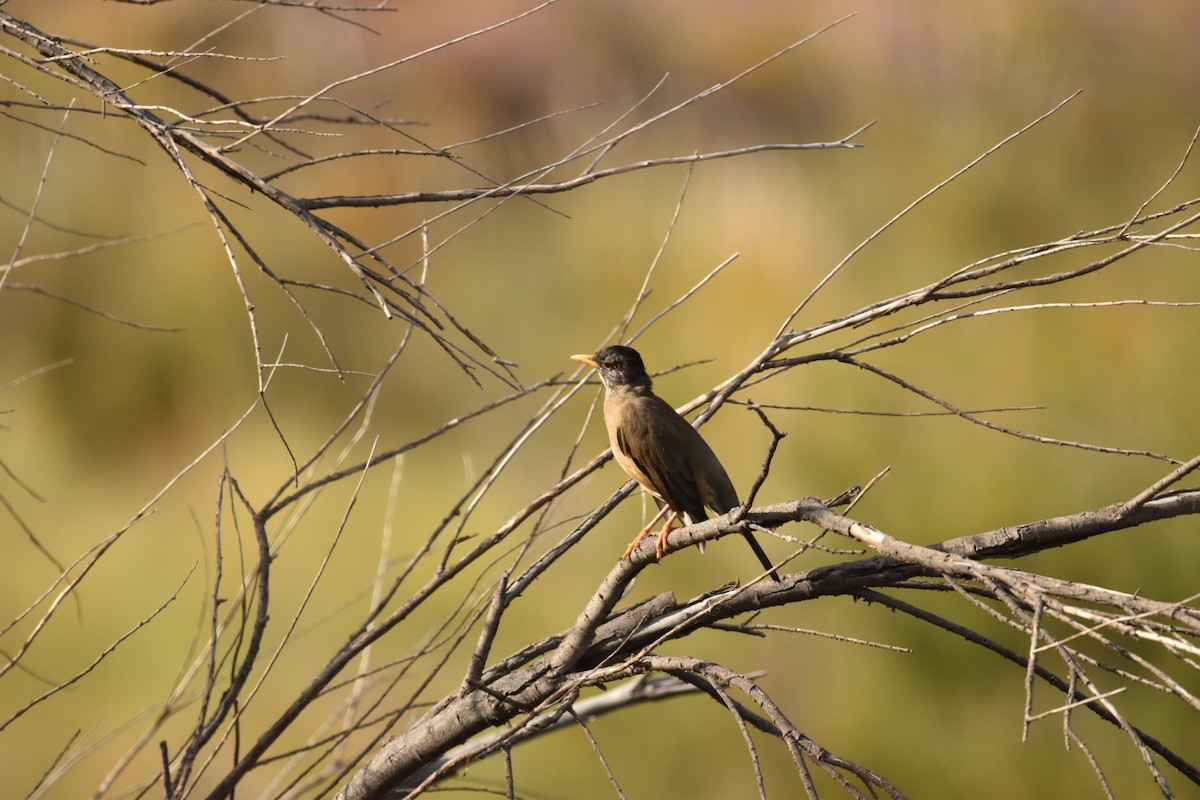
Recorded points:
128,408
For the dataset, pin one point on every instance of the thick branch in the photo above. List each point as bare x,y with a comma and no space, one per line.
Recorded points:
601,637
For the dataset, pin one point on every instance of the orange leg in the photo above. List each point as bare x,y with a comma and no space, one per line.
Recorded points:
646,531
660,547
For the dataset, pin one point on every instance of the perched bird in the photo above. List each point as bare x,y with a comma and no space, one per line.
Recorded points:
660,449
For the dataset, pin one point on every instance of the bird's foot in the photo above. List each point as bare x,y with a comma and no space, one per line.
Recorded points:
636,541
660,547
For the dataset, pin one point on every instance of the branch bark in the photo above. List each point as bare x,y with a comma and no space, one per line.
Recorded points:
603,644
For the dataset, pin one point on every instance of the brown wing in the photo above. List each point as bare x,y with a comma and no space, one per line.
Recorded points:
666,455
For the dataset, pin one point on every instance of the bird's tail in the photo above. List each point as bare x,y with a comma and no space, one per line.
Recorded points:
762,557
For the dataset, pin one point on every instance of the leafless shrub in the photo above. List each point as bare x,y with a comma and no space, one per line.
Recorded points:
359,728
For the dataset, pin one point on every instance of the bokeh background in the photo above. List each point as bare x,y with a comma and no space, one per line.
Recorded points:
126,409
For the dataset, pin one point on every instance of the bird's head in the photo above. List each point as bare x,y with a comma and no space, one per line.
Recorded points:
620,367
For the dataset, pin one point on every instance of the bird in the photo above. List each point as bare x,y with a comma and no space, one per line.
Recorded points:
660,449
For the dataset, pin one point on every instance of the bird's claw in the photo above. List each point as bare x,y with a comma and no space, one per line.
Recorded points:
660,546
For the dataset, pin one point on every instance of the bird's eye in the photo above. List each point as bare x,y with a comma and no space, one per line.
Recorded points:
608,363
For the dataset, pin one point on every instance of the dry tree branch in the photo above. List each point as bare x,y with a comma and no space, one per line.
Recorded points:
911,206
382,288
972,418
105,653
383,68
90,309
525,680
565,654
174,141
1171,179
1019,592
801,746
516,187
37,197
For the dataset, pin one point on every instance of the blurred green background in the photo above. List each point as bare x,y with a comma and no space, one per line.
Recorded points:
97,438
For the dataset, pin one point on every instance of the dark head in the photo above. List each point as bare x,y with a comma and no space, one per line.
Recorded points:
620,367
